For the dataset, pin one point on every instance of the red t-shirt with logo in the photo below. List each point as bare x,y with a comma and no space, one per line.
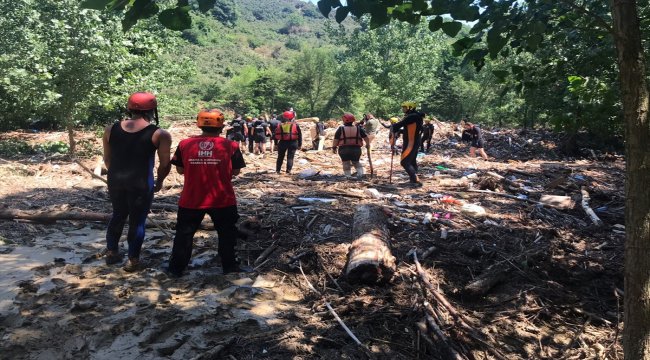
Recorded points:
207,163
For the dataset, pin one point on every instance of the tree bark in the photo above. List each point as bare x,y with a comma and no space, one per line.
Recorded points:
634,91
52,216
369,258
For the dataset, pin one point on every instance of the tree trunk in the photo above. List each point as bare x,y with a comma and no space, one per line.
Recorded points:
71,140
634,92
369,258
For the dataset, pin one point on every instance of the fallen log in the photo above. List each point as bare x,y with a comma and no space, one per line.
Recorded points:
557,201
370,259
53,216
487,280
585,206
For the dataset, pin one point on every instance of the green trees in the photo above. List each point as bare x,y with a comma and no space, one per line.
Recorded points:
509,25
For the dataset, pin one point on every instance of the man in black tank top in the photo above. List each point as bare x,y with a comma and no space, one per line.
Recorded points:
129,149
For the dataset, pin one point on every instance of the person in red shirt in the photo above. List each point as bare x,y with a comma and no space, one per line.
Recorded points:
208,162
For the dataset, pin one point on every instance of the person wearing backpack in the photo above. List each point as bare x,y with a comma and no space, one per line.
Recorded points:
319,140
371,126
129,148
238,130
273,124
348,140
260,132
289,139
208,162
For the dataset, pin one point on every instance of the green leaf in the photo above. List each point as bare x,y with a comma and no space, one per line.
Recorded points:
452,28
206,5
95,4
461,11
324,7
176,19
462,45
534,41
419,5
341,14
141,9
378,20
500,74
495,41
118,4
435,24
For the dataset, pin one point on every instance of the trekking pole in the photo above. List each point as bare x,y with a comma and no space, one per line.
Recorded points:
372,170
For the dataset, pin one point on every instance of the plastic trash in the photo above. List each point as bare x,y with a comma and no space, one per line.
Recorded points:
440,167
451,200
473,210
320,200
303,162
601,209
579,177
522,196
374,193
428,217
436,196
307,173
400,203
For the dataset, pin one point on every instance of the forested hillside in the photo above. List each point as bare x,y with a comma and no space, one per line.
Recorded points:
262,56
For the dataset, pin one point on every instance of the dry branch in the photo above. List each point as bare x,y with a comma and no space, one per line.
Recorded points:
585,206
52,216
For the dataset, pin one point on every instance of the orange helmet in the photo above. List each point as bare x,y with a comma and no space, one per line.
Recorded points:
210,118
348,118
289,115
142,101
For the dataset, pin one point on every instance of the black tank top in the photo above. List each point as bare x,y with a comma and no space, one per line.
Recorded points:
132,158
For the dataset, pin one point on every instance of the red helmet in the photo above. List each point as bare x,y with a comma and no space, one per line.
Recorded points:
289,115
348,118
211,118
142,101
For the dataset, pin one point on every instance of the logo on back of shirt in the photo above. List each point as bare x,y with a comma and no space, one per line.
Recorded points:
206,148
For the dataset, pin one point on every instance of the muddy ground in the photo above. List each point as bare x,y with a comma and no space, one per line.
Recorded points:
553,278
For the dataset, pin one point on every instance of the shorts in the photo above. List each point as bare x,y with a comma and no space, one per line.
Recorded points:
477,144
260,138
350,153
236,137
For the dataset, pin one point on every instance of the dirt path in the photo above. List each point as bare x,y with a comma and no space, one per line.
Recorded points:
555,279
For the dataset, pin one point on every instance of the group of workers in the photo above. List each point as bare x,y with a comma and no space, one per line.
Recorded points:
209,161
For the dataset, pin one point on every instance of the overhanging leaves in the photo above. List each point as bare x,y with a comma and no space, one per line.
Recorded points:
95,4
206,5
452,28
176,19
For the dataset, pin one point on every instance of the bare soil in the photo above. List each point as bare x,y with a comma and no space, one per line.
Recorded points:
555,279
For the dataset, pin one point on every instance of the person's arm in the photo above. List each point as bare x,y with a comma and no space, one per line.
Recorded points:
335,142
177,160
237,161
163,140
107,146
364,137
299,136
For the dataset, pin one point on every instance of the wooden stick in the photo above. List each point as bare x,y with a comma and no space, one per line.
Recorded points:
92,173
506,180
265,254
585,206
508,196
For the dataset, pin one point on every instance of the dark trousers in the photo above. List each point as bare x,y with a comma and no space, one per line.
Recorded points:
426,139
289,148
135,205
251,142
189,220
409,160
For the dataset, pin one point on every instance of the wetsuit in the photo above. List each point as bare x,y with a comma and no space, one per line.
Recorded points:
130,185
289,139
427,135
207,162
411,125
273,124
260,127
251,139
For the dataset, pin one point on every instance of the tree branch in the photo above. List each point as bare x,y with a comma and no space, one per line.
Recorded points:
602,22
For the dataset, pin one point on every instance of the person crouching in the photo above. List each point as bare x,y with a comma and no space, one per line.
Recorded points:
348,140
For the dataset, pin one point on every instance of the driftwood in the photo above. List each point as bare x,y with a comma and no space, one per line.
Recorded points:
260,259
503,179
487,280
52,216
92,173
557,201
585,206
370,259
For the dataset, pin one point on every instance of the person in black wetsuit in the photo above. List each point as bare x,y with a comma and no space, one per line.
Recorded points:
411,125
473,134
129,149
427,135
273,124
260,129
